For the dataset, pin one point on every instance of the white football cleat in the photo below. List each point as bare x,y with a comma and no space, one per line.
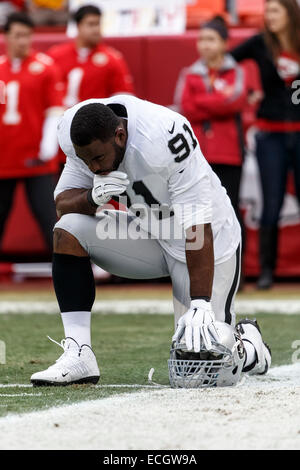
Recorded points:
250,331
77,365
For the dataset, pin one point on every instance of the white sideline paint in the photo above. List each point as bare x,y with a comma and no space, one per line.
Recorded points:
163,307
9,395
96,386
16,386
262,413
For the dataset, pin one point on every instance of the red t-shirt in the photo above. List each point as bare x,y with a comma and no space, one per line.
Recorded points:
91,73
32,86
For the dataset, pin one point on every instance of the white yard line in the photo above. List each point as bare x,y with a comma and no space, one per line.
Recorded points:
262,413
9,395
279,306
163,307
15,385
96,386
109,306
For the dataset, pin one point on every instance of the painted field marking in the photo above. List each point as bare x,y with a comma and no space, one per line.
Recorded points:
160,307
9,395
94,386
127,420
15,385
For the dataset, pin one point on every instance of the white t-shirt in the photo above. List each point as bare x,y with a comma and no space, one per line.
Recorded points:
166,168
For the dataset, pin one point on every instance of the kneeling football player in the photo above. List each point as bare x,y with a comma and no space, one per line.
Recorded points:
180,223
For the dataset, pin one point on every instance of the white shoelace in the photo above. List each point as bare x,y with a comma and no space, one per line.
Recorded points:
71,354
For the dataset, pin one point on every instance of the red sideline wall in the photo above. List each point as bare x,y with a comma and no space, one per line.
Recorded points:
155,63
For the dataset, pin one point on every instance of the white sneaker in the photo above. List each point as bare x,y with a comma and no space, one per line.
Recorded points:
250,331
77,365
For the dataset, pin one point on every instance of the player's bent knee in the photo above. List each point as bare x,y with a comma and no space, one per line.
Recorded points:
65,243
67,235
75,224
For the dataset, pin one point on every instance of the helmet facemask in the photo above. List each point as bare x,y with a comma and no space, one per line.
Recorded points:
219,367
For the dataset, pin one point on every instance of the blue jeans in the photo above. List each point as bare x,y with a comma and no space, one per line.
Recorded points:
276,152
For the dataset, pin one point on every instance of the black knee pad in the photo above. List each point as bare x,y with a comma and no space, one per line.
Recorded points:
73,282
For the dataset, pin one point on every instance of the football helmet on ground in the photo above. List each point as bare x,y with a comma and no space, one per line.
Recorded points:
221,366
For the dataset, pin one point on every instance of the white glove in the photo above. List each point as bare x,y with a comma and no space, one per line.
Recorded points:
113,184
198,325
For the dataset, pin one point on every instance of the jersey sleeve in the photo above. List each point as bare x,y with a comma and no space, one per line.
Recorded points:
54,52
248,49
186,101
199,105
75,173
63,132
120,80
53,88
190,191
72,177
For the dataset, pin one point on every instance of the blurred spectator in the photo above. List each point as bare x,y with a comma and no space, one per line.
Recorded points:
48,12
90,69
277,53
8,7
28,122
211,93
202,10
250,12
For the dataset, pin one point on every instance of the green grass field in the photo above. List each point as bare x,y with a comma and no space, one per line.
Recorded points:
126,346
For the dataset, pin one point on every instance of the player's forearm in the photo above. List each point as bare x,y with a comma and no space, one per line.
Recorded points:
200,260
74,201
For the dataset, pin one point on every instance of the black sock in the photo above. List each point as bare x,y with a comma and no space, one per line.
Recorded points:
74,282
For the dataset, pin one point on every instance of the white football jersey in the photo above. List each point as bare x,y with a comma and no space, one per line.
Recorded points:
167,171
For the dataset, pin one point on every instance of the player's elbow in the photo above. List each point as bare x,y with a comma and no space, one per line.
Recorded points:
73,201
60,205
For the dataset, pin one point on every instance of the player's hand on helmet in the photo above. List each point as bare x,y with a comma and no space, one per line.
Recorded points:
198,326
113,184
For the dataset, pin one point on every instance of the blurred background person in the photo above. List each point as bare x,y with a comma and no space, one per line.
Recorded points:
48,12
89,67
28,122
276,50
211,93
9,6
